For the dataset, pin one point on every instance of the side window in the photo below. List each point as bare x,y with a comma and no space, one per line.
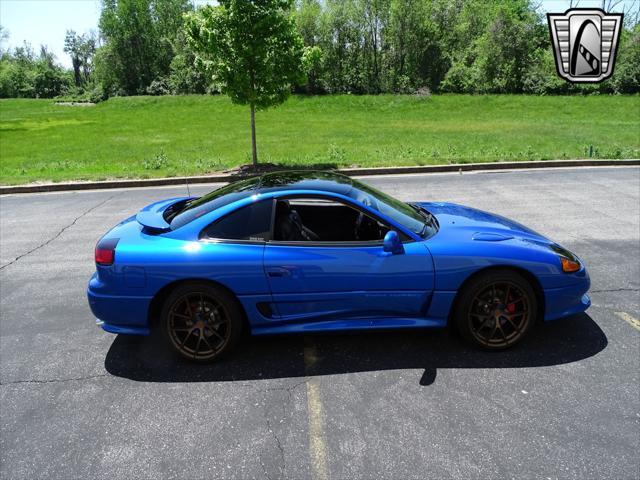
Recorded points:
252,223
322,220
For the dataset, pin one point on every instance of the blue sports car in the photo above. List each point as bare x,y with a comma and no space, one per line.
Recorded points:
317,252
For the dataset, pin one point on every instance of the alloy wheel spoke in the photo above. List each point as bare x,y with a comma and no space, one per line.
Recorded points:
510,320
493,332
217,323
189,310
517,300
204,337
197,349
504,336
214,332
186,337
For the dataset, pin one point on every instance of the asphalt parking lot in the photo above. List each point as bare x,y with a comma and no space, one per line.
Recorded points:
76,402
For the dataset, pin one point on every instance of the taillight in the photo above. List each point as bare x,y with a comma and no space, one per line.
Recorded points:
106,251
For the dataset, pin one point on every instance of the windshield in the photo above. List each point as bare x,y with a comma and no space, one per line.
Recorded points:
186,212
408,216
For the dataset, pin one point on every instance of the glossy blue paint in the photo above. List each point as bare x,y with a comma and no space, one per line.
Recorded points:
392,243
286,287
313,282
151,215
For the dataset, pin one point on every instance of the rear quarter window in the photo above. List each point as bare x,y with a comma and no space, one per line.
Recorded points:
250,223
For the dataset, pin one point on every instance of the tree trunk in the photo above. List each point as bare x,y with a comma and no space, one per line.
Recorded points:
254,149
76,71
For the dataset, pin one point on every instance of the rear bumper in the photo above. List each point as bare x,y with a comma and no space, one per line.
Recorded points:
116,313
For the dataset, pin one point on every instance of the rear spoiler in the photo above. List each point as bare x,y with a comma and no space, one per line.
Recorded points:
152,218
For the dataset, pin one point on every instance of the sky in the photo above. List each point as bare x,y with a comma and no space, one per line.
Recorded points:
45,22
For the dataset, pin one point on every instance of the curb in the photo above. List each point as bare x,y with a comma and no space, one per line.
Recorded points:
462,167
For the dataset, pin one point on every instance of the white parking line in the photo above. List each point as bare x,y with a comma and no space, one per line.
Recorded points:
634,322
317,446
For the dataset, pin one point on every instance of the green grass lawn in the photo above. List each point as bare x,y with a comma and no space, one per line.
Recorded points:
190,135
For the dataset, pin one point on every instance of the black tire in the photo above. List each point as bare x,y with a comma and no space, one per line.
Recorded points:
496,310
201,322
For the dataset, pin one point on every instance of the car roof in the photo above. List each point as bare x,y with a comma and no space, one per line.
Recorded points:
321,181
274,184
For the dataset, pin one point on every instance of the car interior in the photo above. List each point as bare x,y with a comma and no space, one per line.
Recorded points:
318,220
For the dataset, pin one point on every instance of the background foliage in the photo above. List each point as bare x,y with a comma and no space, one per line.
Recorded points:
145,136
354,46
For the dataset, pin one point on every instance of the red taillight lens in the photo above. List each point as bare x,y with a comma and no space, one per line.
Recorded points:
104,257
106,251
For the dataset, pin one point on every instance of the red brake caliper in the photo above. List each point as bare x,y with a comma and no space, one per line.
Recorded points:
511,307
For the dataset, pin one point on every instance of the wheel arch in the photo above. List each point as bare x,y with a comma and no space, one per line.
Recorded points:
530,277
155,306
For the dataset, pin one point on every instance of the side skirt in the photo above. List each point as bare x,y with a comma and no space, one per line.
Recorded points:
350,325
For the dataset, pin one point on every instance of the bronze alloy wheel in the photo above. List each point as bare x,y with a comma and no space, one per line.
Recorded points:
198,326
499,315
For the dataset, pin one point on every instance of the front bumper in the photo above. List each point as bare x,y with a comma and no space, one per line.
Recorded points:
565,301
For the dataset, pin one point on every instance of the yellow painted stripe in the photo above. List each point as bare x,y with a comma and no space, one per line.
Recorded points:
634,322
317,445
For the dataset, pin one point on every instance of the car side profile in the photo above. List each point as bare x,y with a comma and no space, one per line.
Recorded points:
303,252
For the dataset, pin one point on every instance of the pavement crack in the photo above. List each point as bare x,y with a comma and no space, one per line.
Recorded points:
272,432
275,437
289,389
264,468
57,380
280,449
60,232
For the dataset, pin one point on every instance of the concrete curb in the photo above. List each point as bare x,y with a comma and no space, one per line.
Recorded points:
464,167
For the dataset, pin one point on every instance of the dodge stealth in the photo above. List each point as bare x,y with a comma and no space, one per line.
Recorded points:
317,251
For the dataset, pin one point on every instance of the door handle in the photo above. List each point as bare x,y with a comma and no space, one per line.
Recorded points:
278,272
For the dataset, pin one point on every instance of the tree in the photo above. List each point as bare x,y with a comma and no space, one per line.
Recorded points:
4,36
308,18
139,36
81,49
251,49
626,78
185,77
27,75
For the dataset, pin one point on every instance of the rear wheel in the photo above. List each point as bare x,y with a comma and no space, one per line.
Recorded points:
201,322
496,310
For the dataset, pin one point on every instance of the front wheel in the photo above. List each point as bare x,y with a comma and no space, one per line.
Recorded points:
201,322
496,310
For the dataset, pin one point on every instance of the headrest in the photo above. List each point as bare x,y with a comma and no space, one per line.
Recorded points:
282,207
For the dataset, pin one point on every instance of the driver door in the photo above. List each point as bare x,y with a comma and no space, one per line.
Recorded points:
345,278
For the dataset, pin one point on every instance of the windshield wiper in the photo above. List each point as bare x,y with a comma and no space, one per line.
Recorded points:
428,216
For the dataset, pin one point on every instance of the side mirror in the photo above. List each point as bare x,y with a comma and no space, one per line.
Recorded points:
392,243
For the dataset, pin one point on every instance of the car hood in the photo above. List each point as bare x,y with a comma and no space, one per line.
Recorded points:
480,225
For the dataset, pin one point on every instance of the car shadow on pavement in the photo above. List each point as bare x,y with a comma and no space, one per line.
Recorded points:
148,359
